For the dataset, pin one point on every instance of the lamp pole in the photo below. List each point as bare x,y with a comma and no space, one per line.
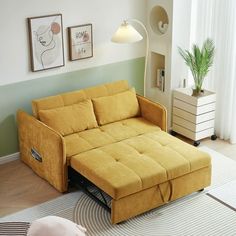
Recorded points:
147,50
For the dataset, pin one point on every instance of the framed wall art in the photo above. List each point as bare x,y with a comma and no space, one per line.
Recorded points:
46,42
80,42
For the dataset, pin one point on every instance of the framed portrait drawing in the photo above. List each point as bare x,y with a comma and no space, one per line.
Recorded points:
80,42
46,42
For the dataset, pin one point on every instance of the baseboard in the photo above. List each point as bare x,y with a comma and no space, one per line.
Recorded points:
8,158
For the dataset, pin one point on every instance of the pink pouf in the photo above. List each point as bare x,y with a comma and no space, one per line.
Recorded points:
55,226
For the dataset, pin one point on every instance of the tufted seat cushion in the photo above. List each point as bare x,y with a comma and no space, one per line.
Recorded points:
137,161
106,134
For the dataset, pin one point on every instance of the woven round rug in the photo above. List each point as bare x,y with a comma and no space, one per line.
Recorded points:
97,220
188,216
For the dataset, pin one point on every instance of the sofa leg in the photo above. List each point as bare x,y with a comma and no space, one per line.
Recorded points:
201,190
173,133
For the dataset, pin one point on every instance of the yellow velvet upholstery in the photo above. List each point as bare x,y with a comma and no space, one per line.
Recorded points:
49,144
137,203
70,119
129,156
116,107
45,104
139,162
74,97
106,134
153,111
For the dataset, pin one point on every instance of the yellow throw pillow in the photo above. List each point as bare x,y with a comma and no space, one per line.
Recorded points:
116,107
70,119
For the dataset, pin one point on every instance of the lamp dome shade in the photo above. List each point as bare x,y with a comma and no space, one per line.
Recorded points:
126,34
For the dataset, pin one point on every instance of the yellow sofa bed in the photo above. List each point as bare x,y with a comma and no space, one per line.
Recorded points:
116,140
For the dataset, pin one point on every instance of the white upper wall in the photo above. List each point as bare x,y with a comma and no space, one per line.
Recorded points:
105,15
182,20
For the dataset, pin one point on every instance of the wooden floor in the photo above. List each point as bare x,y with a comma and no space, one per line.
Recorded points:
218,145
20,188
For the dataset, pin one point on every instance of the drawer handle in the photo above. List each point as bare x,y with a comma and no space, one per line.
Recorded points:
36,155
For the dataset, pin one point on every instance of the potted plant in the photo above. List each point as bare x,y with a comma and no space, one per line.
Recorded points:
199,62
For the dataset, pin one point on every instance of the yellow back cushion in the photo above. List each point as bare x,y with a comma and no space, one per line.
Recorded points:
116,107
74,97
70,119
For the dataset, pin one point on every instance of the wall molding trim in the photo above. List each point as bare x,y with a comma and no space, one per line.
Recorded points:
9,158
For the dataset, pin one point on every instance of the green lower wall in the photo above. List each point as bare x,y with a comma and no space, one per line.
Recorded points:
19,95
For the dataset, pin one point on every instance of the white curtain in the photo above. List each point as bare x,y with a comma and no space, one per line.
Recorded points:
216,19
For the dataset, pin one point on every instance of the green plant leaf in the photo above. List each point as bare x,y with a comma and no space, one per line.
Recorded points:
199,61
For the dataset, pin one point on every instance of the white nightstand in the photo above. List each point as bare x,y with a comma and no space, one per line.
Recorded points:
194,117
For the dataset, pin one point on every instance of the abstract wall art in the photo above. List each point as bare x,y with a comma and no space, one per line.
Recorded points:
80,42
46,42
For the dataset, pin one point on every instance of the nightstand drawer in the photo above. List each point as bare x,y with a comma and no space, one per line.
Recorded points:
191,126
193,118
194,109
192,135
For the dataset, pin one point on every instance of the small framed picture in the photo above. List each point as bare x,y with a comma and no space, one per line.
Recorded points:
46,42
80,42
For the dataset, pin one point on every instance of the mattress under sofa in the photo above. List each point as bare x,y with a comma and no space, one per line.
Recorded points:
128,155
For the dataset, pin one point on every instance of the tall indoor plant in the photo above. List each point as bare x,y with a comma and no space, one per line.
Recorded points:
199,62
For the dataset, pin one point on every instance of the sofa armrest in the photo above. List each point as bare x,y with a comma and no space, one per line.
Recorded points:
43,149
153,112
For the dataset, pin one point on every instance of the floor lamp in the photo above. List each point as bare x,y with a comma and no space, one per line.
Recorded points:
126,33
